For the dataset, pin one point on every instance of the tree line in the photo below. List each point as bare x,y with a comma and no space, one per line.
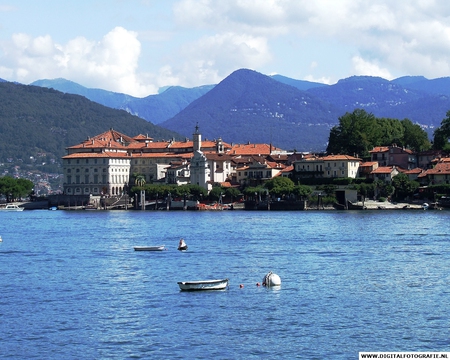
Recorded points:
359,132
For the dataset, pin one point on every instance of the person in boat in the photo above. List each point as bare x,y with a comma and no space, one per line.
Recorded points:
182,245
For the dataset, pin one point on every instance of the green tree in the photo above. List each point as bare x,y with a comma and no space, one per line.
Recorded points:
215,193
280,186
359,132
15,188
353,134
302,191
403,186
139,180
442,134
414,137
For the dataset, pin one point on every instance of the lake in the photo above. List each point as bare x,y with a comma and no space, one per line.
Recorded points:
73,287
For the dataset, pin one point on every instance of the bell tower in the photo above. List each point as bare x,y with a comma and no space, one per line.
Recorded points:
197,139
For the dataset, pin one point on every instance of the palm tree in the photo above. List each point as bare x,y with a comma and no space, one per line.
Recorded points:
139,180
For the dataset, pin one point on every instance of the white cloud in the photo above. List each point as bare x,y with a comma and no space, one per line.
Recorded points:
211,58
405,37
322,80
363,67
109,64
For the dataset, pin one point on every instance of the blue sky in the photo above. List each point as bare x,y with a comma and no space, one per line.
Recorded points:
138,46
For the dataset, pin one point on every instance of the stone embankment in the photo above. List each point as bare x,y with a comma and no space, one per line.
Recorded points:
386,205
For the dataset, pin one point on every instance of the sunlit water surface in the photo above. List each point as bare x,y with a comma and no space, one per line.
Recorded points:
72,287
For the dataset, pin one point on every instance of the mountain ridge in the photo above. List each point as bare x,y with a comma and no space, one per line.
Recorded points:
423,101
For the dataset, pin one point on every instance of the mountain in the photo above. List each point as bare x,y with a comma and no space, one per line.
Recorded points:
440,86
153,108
104,97
251,107
418,99
158,108
299,84
36,121
291,114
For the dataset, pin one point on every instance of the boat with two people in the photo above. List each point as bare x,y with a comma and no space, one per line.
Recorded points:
150,248
200,285
182,246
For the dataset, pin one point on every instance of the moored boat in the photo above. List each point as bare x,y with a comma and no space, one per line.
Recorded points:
11,207
203,285
150,248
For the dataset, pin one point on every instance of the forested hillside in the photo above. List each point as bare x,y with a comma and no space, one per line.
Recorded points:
40,123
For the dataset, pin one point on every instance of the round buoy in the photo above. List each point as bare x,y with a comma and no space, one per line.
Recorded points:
271,279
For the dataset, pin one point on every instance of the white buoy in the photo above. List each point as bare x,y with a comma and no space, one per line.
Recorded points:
271,279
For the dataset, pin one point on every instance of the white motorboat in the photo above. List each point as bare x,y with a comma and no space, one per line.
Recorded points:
150,248
11,207
203,285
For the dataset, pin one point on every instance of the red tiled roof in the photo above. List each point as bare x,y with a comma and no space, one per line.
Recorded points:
379,149
141,137
106,154
442,168
252,149
340,158
383,170
412,171
368,164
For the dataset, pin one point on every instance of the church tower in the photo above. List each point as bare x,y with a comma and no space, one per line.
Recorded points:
200,173
197,139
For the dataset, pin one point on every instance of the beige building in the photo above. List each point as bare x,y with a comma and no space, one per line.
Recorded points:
331,166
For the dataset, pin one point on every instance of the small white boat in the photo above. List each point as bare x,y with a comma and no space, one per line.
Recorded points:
203,285
150,248
11,207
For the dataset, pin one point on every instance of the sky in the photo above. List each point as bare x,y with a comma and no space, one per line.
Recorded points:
138,46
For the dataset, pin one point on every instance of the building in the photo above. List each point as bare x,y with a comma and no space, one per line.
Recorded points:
98,166
108,163
384,173
330,166
394,156
439,174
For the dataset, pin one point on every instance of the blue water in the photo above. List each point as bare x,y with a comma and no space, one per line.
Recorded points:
72,287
